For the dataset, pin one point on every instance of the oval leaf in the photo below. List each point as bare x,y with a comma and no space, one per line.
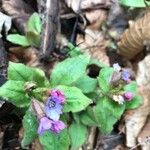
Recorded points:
30,126
69,71
75,99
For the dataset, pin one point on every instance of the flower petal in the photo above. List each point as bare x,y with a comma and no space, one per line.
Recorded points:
57,126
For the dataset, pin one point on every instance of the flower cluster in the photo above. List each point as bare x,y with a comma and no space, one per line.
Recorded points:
51,113
121,75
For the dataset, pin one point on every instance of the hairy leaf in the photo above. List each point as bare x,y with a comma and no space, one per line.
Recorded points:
105,78
78,133
20,72
14,92
52,141
30,126
34,23
107,113
86,84
75,99
69,71
18,39
134,103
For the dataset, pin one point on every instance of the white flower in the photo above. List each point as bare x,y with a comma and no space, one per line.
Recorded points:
116,67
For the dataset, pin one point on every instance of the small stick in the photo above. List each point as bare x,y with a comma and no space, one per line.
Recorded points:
49,10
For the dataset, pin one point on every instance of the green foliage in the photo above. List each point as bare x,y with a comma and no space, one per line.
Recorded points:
86,84
107,113
32,37
73,51
75,99
30,126
99,106
104,78
135,3
14,92
18,39
132,87
20,72
69,71
52,141
88,117
134,103
34,23
78,134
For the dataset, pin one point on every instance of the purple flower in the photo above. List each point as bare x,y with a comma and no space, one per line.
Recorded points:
44,125
126,76
53,108
59,95
49,125
57,126
128,96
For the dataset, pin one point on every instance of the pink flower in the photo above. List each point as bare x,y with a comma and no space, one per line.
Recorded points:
44,125
128,96
57,126
50,125
59,95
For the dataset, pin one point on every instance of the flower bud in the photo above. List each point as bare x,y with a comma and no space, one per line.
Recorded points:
128,96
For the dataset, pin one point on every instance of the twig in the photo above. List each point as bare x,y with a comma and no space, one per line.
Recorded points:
3,64
49,10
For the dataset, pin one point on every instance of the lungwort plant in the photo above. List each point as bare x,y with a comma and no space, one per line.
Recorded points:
59,110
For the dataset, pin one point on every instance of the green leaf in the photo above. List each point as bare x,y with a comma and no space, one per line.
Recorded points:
107,113
69,71
34,23
30,126
18,39
135,3
134,103
40,93
131,87
20,72
78,135
52,141
14,92
75,99
104,78
33,38
86,84
73,51
88,117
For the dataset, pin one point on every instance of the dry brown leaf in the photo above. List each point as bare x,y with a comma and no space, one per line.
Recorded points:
135,37
19,11
135,119
96,18
95,44
28,56
144,136
78,5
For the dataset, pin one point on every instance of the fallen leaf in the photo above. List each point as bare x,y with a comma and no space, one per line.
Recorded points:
6,22
96,18
78,5
136,119
94,43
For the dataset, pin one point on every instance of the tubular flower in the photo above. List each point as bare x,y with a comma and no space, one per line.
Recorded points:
59,95
44,125
57,126
126,76
53,108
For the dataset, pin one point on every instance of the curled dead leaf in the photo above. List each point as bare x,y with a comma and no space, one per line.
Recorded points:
135,37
